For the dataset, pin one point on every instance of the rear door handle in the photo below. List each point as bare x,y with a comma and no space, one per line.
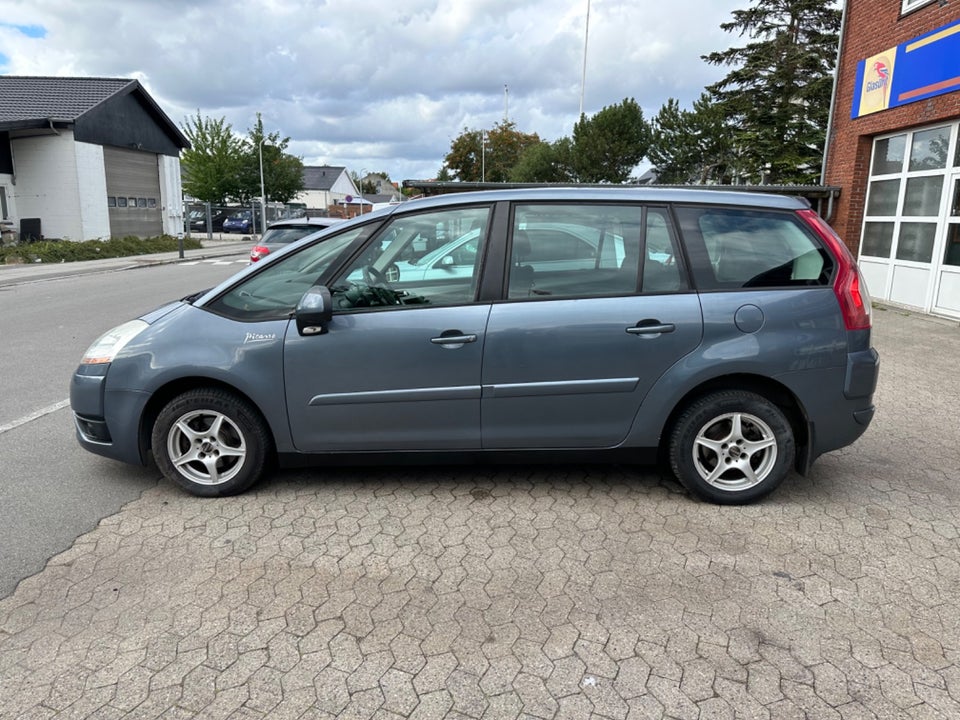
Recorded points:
651,327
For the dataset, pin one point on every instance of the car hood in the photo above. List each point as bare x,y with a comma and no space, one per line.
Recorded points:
157,313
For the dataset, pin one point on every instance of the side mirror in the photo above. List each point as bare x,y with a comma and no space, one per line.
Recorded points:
314,311
447,261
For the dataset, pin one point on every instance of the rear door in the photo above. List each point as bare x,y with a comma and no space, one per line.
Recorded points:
574,349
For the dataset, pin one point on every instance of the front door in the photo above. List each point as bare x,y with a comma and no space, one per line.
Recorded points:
389,380
399,365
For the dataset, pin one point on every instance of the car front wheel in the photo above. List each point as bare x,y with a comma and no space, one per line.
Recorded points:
732,447
210,442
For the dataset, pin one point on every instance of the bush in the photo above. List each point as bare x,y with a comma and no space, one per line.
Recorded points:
57,251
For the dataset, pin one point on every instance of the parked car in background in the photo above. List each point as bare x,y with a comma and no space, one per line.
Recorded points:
725,334
239,222
284,232
198,220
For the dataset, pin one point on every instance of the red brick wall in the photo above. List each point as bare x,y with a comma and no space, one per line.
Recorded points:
873,26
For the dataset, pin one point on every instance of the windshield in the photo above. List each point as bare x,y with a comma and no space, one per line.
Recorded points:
283,235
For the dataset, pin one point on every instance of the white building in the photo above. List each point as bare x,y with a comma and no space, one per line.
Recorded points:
87,158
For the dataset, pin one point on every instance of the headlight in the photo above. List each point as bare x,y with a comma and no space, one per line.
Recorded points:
106,347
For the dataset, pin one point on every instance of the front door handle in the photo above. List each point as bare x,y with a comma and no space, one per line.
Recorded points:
453,337
651,327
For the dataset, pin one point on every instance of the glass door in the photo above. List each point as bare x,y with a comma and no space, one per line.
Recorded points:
946,298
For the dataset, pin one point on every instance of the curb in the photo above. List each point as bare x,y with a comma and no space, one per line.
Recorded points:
13,275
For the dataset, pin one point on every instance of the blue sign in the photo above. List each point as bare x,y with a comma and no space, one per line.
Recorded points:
924,67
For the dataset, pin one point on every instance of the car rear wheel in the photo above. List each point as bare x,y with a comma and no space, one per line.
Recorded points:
732,447
210,442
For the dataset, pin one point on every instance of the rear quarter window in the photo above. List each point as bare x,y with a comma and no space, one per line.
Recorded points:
733,248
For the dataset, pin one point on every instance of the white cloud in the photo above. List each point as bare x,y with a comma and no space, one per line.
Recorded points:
378,85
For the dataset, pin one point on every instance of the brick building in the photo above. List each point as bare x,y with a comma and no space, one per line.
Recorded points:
894,151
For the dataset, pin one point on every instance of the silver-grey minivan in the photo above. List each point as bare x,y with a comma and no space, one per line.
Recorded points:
724,333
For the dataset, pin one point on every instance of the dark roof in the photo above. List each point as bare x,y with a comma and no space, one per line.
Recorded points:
54,98
321,177
27,102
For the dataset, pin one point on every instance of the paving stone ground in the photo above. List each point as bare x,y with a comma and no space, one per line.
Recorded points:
543,592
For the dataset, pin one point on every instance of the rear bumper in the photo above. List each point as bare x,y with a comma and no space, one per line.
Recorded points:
838,424
837,404
863,369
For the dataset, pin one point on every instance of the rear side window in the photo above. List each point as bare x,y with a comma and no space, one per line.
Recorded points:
733,248
590,250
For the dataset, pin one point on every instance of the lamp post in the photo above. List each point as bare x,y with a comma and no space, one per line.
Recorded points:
360,189
263,195
483,156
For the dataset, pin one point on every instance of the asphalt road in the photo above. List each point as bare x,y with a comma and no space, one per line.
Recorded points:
52,491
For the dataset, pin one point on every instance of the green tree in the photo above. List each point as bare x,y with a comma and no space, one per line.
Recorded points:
211,167
477,155
607,146
282,172
545,162
777,97
690,146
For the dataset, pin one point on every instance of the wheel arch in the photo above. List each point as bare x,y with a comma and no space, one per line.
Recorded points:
776,392
165,393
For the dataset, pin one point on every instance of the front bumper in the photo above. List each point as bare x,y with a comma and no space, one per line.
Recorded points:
107,422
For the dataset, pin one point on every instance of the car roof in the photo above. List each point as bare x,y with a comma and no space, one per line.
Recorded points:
623,193
710,195
305,222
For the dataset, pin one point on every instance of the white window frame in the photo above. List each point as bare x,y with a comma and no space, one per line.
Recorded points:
903,176
911,5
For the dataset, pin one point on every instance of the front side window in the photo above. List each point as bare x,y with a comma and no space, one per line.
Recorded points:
733,248
424,259
275,291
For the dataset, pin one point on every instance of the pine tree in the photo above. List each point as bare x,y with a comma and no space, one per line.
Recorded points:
777,97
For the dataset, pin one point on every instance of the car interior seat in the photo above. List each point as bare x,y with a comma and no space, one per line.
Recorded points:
629,267
521,275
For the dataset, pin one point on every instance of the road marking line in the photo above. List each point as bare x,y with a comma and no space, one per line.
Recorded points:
34,416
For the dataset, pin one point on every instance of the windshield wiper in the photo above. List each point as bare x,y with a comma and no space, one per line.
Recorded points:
193,297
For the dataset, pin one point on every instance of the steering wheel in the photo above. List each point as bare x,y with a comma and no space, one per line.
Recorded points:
372,276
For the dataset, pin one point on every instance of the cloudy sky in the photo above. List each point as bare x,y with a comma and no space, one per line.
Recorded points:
377,86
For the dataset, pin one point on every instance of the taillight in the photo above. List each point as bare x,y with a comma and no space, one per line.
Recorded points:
848,285
258,252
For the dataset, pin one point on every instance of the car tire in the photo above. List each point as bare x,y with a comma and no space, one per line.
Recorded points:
210,442
732,447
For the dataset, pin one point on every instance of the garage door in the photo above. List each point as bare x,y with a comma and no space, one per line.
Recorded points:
133,192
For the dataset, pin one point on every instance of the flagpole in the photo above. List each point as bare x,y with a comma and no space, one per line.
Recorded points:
583,77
